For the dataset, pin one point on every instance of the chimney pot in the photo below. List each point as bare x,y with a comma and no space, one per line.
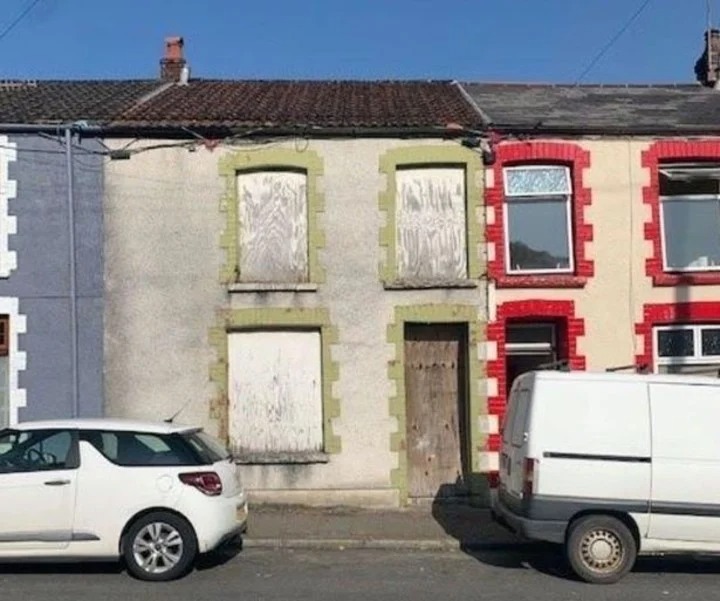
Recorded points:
707,67
173,62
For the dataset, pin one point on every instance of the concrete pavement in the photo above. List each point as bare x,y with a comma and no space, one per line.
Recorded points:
440,527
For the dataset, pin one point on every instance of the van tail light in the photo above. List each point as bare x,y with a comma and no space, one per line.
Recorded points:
208,483
529,476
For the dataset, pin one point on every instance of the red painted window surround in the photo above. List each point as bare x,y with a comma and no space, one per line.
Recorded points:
531,310
534,152
672,150
670,313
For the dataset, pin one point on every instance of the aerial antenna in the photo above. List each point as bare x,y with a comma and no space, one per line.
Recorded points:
170,419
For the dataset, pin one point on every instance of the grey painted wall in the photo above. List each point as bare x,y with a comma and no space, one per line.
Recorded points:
42,278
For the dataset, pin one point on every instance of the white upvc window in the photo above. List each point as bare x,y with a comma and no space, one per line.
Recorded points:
538,219
690,217
687,349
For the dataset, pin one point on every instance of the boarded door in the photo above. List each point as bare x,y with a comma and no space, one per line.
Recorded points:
436,409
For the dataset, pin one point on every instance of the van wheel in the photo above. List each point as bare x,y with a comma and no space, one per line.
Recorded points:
600,549
159,546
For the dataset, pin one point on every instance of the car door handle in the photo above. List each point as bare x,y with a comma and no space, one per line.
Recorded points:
57,482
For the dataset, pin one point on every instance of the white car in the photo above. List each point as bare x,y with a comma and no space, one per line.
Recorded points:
154,494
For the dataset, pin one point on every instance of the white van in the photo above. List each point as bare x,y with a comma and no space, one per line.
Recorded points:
611,466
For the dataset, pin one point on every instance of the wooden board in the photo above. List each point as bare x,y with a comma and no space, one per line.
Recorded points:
273,226
431,223
275,392
436,408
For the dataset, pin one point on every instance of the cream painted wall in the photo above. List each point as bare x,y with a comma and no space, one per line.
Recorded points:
612,301
163,258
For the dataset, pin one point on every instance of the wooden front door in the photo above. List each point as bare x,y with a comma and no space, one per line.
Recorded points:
436,409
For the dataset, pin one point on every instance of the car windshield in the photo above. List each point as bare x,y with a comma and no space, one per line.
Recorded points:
210,449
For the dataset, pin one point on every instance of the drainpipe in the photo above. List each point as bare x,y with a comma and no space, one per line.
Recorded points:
73,273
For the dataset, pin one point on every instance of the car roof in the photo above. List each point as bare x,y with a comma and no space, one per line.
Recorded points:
120,424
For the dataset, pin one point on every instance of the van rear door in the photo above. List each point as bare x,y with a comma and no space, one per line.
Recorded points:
514,444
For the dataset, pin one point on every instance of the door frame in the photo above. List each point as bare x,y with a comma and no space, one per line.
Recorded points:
476,398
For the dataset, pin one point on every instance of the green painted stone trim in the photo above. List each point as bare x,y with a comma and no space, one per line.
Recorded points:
438,313
417,156
241,319
271,158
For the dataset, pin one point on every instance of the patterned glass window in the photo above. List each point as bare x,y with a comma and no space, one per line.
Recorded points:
688,349
538,230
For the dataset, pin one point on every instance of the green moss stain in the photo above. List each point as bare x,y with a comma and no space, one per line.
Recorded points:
239,319
271,158
433,155
437,313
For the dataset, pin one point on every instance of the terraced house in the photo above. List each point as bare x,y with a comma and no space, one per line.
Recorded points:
300,264
603,230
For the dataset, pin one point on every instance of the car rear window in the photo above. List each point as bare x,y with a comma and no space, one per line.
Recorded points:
210,449
142,448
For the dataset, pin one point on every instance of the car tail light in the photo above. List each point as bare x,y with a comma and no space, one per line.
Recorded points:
208,483
529,476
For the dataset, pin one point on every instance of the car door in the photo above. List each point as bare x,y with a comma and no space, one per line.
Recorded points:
38,483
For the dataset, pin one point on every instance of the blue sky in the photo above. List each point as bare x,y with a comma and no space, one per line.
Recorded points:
484,40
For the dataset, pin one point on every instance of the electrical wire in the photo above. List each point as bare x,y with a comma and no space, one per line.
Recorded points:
612,41
15,22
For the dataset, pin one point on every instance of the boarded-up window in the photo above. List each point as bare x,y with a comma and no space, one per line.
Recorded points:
431,223
273,232
275,392
4,371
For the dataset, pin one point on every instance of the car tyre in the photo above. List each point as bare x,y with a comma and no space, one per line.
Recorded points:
159,546
600,549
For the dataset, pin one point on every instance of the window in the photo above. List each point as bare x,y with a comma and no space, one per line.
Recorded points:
431,223
273,226
690,213
529,346
275,393
688,349
142,449
538,232
37,450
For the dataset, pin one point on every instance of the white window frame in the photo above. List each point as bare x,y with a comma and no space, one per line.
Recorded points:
532,348
508,198
688,167
697,358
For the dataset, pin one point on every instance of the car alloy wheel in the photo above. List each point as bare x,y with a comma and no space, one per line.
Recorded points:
158,548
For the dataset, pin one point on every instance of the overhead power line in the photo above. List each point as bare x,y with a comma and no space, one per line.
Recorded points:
16,21
612,41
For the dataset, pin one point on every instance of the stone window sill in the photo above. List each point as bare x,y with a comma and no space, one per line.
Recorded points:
426,284
281,458
245,287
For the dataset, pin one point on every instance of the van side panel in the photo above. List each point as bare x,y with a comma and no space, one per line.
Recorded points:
685,500
592,440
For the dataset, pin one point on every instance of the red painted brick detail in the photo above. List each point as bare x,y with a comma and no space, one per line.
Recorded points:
571,329
672,150
670,313
536,152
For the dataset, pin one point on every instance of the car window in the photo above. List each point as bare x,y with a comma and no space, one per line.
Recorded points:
209,448
141,448
37,450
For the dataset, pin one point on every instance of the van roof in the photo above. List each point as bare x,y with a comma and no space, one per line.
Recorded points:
603,376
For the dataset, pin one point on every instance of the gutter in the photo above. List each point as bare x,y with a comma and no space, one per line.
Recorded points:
558,130
78,126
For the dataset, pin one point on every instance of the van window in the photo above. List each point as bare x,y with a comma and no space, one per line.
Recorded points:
519,425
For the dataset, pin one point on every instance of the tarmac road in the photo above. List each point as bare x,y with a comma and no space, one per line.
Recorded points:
319,575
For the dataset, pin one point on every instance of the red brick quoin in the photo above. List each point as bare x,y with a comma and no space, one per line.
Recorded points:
671,313
533,310
672,150
535,152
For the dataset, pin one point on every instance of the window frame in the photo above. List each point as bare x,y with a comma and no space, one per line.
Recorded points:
685,198
697,357
568,201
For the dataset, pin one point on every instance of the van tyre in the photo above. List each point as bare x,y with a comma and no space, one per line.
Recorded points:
600,549
159,546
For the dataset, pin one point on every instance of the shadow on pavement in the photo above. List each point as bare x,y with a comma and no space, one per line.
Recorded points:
220,556
61,568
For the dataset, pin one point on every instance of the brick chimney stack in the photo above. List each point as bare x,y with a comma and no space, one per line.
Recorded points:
172,64
707,67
